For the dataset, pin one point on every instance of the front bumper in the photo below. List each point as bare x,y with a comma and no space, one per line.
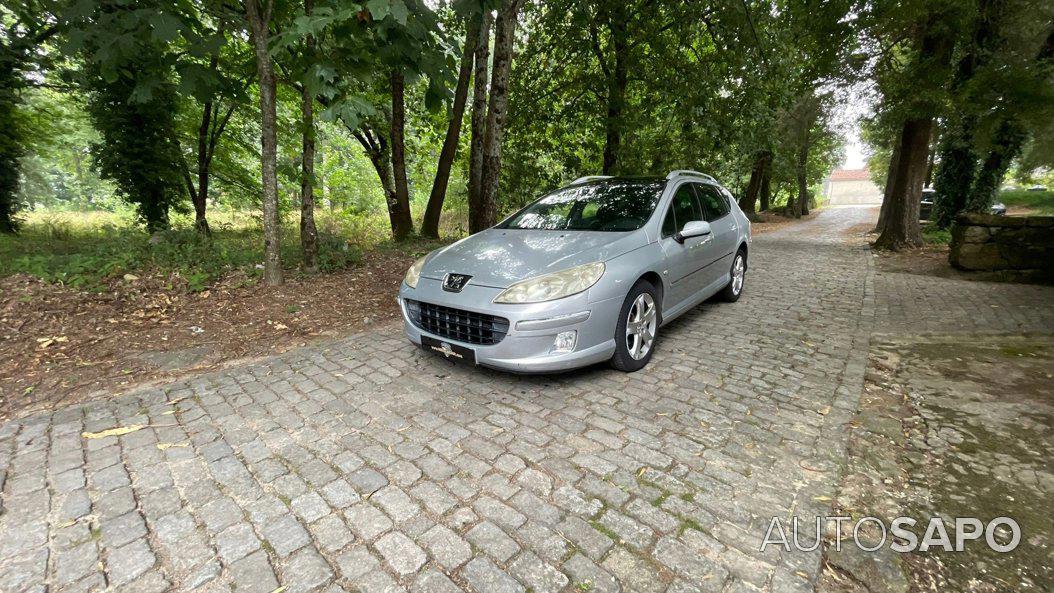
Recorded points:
528,345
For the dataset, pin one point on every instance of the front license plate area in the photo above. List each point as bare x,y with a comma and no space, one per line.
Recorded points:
449,350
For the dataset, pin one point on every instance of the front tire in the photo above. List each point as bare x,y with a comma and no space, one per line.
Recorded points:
637,328
736,278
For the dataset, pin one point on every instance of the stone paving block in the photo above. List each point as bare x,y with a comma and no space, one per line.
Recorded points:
396,503
340,494
356,562
236,542
330,533
220,514
449,549
590,541
254,574
72,565
128,562
310,506
499,512
286,535
628,530
489,538
536,575
367,521
633,573
432,581
367,481
401,553
118,531
483,575
587,576
305,571
433,496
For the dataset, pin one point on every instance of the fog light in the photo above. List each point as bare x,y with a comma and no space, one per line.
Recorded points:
565,341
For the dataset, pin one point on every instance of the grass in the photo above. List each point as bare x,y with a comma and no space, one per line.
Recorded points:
1040,201
933,235
85,249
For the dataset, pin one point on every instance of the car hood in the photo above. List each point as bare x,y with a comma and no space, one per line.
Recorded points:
502,257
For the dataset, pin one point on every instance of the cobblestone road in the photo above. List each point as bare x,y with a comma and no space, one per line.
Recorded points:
367,465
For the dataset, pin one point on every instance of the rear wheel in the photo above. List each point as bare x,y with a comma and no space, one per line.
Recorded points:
637,328
737,275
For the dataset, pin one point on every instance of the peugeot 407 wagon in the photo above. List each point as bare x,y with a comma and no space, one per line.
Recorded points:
585,274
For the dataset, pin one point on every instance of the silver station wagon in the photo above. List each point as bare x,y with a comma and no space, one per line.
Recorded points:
585,274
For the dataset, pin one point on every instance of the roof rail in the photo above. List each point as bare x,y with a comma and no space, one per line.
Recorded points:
689,173
590,178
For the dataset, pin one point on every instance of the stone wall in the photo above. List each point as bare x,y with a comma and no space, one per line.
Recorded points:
996,243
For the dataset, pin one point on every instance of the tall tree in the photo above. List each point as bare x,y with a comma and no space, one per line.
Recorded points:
958,158
901,225
259,19
399,208
11,141
308,231
476,209
497,109
430,224
133,103
25,25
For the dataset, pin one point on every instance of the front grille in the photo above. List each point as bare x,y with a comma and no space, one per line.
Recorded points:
458,324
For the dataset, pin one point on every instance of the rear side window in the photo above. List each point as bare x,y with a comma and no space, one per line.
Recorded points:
683,208
715,205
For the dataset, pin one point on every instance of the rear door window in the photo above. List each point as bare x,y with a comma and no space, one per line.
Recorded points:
714,204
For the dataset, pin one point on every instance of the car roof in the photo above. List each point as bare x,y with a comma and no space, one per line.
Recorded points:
599,180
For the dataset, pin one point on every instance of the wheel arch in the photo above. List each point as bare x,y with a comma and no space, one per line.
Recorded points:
653,278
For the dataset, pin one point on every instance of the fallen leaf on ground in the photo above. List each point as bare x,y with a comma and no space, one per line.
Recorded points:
164,446
113,432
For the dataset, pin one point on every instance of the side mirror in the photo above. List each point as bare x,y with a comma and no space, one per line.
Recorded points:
692,228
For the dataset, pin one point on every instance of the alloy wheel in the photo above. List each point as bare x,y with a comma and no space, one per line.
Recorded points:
641,323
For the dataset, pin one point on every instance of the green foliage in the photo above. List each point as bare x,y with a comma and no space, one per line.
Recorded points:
11,144
935,235
89,250
132,103
1042,202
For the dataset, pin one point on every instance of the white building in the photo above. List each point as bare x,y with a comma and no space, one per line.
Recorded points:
847,187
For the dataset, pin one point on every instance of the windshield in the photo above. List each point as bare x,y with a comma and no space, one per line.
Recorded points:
614,206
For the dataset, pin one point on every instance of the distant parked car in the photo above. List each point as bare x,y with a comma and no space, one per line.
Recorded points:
1038,188
929,195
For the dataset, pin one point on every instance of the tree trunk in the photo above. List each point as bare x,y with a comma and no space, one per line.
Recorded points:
402,223
308,231
748,201
430,224
887,191
259,28
479,127
902,222
200,197
766,182
801,205
504,36
1009,139
956,172
617,80
1006,146
930,163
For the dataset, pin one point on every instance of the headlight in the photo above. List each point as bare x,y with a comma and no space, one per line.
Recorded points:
414,273
553,286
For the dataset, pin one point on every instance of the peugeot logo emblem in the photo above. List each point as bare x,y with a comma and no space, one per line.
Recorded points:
455,282
446,350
